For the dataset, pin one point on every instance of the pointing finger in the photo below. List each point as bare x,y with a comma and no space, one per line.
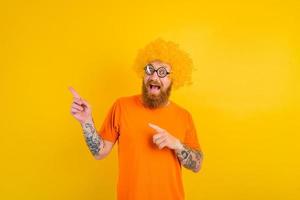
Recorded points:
74,93
157,128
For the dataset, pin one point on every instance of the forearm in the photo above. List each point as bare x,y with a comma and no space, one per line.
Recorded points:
93,140
189,158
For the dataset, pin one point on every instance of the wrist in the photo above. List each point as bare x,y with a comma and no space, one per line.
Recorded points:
87,120
179,146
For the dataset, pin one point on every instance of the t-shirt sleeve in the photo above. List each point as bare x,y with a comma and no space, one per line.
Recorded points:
110,128
191,139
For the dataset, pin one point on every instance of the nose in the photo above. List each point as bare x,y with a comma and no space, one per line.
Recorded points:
154,76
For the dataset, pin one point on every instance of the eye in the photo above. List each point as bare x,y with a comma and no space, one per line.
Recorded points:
149,69
162,71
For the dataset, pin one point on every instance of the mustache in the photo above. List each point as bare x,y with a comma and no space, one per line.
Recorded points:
154,83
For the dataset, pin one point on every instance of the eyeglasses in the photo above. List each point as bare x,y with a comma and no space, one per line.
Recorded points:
161,71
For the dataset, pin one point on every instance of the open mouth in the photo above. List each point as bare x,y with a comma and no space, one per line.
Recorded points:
154,87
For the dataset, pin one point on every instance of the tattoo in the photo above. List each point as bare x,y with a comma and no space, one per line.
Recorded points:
93,140
190,158
184,154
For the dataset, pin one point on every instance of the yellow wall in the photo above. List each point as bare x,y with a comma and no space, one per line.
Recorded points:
245,97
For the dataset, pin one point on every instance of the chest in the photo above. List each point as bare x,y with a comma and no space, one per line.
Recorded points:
135,131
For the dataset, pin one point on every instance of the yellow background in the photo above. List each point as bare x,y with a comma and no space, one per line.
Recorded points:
244,100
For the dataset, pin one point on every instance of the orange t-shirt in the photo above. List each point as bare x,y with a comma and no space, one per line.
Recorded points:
145,171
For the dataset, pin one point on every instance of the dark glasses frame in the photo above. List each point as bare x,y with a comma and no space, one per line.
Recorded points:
156,70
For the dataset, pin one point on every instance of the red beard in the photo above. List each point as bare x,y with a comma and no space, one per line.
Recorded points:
153,101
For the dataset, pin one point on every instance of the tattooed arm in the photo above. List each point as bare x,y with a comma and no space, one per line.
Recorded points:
189,158
98,147
81,111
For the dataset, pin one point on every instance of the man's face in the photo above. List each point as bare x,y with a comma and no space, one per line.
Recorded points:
156,90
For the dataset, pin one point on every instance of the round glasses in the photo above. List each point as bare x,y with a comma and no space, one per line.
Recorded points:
161,71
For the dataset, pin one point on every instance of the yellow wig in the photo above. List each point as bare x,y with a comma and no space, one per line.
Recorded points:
167,52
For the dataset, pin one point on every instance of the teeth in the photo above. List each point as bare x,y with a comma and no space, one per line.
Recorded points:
156,86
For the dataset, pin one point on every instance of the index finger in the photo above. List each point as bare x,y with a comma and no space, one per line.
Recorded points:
75,94
157,128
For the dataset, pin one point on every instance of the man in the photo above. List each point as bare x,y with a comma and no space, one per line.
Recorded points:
155,136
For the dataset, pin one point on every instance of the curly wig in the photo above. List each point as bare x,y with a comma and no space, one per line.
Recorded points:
166,52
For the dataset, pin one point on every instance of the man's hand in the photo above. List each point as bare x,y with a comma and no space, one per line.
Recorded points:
163,138
189,158
80,108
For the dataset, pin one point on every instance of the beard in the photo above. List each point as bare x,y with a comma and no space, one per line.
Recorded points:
155,101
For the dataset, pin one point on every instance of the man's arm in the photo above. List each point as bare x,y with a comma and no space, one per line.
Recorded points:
98,147
189,158
82,112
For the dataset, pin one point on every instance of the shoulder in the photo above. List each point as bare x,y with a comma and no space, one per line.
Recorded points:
181,110
126,100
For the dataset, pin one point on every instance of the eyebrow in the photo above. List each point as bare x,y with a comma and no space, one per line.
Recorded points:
162,65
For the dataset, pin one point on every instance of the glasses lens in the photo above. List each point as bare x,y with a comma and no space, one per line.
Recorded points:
162,72
149,69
